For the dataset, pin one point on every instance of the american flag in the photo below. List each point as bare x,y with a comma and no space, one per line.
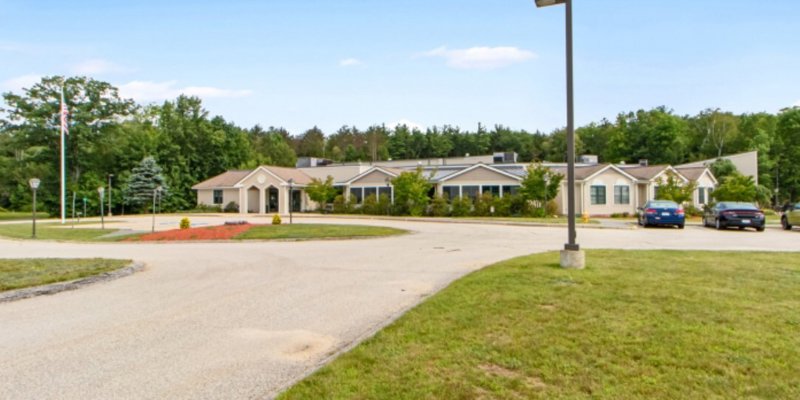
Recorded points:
64,114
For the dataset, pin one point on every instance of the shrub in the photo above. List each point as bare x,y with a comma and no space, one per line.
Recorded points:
483,205
370,206
692,211
276,219
462,206
502,206
231,207
384,204
340,206
439,206
185,223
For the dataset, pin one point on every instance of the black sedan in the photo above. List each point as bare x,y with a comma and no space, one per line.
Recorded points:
726,214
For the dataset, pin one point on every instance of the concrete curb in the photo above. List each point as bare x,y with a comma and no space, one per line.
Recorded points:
19,294
466,221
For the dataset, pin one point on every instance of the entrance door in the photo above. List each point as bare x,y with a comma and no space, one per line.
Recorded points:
272,200
297,200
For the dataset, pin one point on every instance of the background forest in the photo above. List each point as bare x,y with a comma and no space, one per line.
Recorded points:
179,141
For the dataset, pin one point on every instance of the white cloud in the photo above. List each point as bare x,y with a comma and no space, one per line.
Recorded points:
797,104
98,66
156,91
410,124
350,62
20,82
481,57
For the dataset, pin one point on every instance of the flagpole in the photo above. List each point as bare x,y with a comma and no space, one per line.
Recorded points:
63,162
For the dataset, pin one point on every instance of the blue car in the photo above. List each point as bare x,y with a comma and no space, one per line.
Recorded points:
661,212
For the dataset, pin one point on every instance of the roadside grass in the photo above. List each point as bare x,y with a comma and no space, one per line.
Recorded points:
22,273
21,216
316,231
54,231
633,325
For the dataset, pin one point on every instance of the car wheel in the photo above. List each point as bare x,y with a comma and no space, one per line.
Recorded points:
719,225
680,226
760,229
741,228
785,224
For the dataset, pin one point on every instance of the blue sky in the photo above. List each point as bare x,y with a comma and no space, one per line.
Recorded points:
300,63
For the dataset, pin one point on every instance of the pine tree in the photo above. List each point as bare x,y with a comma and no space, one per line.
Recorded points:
144,180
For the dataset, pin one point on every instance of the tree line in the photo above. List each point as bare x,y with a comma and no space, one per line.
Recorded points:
111,135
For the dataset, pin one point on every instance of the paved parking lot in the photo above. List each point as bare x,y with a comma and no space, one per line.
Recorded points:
243,320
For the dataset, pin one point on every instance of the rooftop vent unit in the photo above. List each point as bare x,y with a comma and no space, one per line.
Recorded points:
504,158
588,159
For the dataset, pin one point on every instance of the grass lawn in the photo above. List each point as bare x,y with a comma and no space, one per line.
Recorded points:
633,325
18,274
316,231
20,216
55,231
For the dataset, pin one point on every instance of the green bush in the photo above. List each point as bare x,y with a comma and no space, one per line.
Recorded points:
185,223
483,205
370,206
502,206
692,211
276,219
384,204
439,206
340,206
551,208
231,207
462,207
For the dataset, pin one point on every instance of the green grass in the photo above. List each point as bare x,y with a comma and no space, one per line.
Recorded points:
18,274
633,325
21,216
55,231
316,231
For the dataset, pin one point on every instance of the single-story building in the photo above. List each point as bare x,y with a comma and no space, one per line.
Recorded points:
601,189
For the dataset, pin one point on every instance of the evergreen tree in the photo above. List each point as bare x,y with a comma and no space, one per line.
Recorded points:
144,180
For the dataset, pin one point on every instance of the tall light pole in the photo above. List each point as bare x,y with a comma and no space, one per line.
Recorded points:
101,191
34,183
291,190
109,193
571,256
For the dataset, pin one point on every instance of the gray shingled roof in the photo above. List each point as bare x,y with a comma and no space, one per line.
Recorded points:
225,179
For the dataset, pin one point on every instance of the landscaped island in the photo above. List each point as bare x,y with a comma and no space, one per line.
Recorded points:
634,324
23,273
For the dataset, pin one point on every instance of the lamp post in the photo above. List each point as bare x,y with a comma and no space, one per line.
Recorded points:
109,193
571,256
34,183
101,191
291,191
156,190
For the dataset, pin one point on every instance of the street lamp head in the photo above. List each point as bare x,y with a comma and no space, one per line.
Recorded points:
547,3
101,191
34,182
291,181
159,188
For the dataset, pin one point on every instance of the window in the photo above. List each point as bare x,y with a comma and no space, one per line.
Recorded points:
217,196
494,190
370,191
510,190
451,192
701,195
470,191
357,193
655,192
622,194
598,194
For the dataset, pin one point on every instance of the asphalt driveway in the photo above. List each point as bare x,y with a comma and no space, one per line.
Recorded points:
244,320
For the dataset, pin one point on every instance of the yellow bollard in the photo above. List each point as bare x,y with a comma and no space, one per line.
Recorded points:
585,218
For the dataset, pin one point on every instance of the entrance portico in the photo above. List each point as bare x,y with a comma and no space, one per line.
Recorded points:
266,191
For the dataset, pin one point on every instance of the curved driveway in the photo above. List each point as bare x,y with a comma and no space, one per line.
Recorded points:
244,320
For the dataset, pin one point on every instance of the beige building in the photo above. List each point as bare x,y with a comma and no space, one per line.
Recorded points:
601,189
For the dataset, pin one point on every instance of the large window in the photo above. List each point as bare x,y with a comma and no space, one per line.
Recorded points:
370,191
450,191
598,194
470,191
385,191
622,194
217,196
510,190
494,190
357,194
701,195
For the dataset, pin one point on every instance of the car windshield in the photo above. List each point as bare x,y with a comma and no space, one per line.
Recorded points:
737,206
664,204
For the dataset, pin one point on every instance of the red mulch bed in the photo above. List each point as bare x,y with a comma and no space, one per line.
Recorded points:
221,232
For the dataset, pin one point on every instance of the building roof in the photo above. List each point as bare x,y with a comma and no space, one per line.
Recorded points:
581,172
299,177
226,179
647,173
692,173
